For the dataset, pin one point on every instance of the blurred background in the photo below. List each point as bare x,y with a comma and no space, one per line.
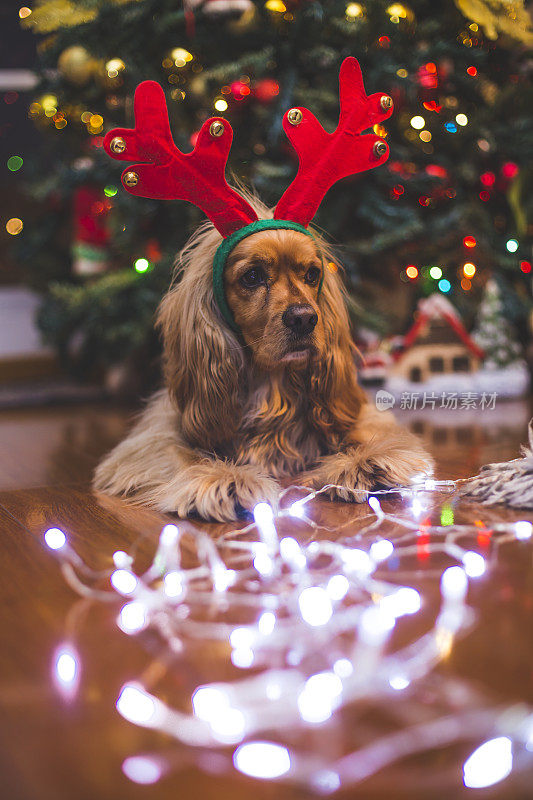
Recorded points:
83,264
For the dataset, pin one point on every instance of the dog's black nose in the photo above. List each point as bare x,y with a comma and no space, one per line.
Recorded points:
300,319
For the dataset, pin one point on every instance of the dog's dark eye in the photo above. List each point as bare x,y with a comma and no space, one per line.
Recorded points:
253,278
312,276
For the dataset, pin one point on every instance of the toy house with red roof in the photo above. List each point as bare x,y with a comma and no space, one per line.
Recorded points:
437,345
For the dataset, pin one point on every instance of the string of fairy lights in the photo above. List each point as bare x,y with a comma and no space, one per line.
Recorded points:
299,631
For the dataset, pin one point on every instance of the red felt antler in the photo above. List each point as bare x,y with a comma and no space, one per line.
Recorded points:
324,157
167,173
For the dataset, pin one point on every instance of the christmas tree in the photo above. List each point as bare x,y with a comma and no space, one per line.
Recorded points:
450,207
493,333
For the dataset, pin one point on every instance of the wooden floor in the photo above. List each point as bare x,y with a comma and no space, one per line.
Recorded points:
52,750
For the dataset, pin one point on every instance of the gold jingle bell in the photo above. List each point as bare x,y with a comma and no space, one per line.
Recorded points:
294,116
216,128
380,148
131,179
118,145
386,102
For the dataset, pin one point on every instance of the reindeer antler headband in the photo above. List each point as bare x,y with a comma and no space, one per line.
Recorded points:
199,177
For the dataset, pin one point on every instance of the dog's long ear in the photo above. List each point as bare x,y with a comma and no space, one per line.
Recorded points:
337,386
202,359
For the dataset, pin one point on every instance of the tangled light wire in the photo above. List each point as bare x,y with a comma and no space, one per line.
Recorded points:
310,630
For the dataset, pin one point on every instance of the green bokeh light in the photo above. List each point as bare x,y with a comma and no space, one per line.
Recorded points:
141,265
110,191
14,163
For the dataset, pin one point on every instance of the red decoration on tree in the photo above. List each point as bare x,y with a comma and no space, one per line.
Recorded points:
325,158
91,233
266,90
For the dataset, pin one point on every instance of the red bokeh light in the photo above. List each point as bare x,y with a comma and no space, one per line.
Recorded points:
472,71
469,241
510,169
487,178
525,266
384,41
485,196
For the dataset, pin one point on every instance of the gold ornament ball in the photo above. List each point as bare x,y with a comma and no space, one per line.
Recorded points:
380,148
131,179
294,116
76,65
216,128
118,145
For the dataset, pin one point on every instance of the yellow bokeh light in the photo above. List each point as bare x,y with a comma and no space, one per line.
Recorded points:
60,123
397,12
425,136
96,121
418,122
401,73
461,119
380,130
469,269
332,266
24,12
220,104
354,10
181,56
276,5
86,116
49,101
14,226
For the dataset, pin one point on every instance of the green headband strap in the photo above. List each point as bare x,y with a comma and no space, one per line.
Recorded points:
227,245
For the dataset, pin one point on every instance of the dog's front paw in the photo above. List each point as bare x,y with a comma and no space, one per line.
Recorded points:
384,461
218,491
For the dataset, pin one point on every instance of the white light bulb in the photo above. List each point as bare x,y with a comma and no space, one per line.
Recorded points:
132,617
375,625
123,581
122,560
405,600
375,505
358,561
66,666
262,759
241,637
172,584
264,519
169,535
142,769
297,509
523,529
381,550
291,552
266,623
208,702
474,564
338,586
416,507
454,584
136,705
315,606
229,726
489,764
55,538
398,682
242,657
343,667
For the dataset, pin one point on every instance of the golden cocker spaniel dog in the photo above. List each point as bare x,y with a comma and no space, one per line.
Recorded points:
280,400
